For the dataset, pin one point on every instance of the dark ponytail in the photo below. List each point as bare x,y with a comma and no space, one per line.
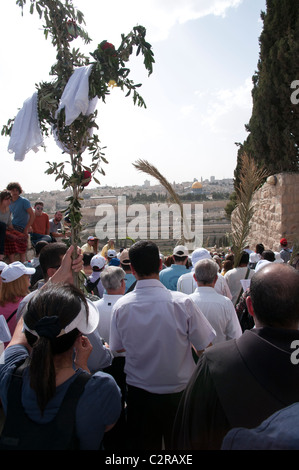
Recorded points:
48,312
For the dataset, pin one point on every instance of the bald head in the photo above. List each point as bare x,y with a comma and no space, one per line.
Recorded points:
274,293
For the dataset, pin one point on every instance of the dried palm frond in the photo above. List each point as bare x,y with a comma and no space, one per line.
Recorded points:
251,178
146,167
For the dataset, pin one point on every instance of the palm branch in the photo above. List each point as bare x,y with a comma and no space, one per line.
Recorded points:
146,167
251,178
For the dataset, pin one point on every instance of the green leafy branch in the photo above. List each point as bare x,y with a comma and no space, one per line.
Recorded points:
63,23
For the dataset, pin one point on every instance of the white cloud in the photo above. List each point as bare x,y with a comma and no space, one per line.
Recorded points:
187,110
227,105
157,16
178,124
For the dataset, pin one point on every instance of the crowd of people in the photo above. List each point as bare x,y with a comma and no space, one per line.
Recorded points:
145,351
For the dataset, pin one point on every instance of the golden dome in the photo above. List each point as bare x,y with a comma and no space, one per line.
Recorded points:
196,185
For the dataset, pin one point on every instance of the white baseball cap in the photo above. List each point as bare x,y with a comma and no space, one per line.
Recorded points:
180,250
200,253
15,270
98,261
111,253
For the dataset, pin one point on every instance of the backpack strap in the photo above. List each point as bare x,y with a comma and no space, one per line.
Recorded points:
11,315
132,286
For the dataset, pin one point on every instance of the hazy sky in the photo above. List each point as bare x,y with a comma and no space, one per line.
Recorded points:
198,97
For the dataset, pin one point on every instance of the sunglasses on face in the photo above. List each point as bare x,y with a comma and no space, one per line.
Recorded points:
39,208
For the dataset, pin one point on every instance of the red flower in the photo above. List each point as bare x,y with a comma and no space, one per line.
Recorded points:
72,29
107,45
86,178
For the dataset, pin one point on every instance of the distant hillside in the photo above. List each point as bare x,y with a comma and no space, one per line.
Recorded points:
216,225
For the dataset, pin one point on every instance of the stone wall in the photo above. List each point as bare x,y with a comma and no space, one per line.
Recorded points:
276,212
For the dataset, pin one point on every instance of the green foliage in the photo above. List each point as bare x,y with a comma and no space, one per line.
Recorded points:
273,139
63,23
110,65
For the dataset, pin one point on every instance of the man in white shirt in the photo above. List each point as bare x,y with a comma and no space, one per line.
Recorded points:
218,309
113,280
187,284
236,275
157,328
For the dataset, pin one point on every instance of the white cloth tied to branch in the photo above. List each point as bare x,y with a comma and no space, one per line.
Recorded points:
26,134
75,99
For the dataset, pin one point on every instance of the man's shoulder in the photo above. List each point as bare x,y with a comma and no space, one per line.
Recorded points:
99,303
125,300
180,298
230,273
165,271
23,201
221,353
187,275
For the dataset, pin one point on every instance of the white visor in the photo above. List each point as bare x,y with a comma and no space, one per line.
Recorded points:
80,322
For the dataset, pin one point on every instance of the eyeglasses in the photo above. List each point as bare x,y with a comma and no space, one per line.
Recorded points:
39,208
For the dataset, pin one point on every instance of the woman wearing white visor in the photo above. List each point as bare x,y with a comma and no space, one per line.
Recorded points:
49,398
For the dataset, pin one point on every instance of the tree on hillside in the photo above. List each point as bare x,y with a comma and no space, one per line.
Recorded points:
273,139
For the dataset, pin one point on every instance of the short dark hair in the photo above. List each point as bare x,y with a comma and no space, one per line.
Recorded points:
14,185
179,258
244,258
274,291
50,256
145,258
39,246
268,255
259,248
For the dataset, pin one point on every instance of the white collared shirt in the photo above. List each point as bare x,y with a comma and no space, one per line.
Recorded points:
233,278
156,327
187,284
220,312
104,307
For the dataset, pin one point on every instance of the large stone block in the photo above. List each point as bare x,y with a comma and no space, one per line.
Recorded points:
276,212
